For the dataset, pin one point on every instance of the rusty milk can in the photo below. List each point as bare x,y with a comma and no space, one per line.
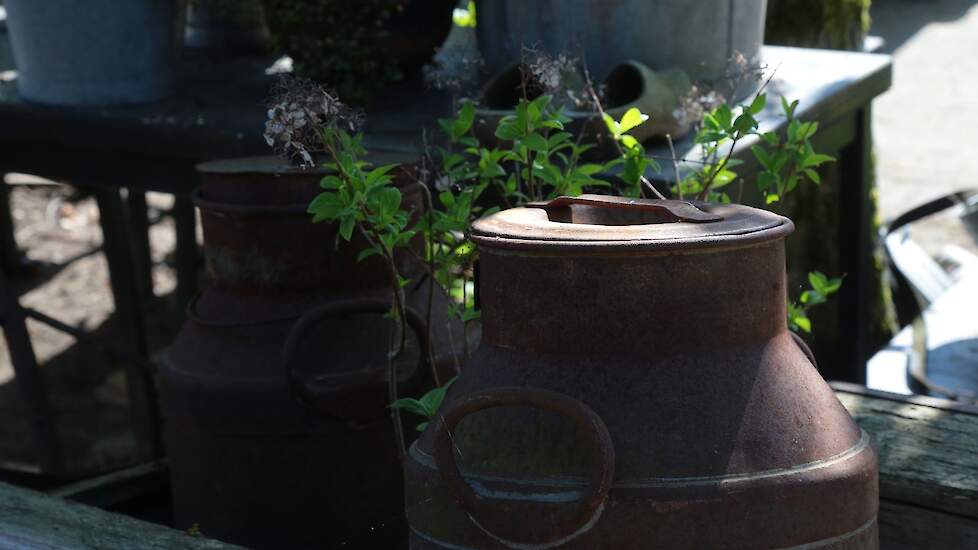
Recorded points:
275,390
637,387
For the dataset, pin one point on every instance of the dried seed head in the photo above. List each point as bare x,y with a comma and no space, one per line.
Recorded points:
298,111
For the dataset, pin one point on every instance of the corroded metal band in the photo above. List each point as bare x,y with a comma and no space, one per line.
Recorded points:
728,480
631,247
865,537
649,508
622,226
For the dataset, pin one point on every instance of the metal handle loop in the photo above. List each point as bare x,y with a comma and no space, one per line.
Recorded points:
476,506
805,348
681,211
338,384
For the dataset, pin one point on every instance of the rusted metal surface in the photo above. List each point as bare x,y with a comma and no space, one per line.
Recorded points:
258,238
673,335
275,391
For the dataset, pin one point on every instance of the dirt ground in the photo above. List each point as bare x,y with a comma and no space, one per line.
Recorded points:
58,228
923,127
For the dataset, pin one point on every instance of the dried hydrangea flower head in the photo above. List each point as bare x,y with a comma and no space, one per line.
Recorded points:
560,76
298,111
454,69
695,104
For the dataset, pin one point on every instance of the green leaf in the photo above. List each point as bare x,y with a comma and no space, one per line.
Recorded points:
629,142
507,131
724,178
812,297
432,400
347,226
632,119
803,323
367,253
411,405
590,169
813,175
807,130
536,142
390,202
757,106
724,117
378,176
789,108
744,123
326,207
422,426
466,116
762,157
767,181
612,126
819,281
331,182
772,198
816,160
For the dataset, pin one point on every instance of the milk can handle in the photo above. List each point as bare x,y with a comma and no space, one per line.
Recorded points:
805,349
340,381
476,506
681,211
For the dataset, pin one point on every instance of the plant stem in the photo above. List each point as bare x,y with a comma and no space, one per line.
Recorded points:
675,167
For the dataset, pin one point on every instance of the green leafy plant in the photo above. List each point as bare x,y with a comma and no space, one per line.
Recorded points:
425,407
790,161
363,200
821,287
634,162
785,164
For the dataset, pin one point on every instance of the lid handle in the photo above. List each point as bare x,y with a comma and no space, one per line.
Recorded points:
681,211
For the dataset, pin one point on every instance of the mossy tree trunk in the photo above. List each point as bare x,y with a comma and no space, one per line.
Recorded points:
837,24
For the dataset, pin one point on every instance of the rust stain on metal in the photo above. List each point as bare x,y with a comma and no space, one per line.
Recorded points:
663,326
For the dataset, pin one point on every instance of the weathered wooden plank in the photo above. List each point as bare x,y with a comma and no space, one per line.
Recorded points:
907,527
928,450
34,521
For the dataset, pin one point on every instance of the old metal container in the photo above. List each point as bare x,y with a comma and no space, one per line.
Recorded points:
275,390
699,37
637,387
94,52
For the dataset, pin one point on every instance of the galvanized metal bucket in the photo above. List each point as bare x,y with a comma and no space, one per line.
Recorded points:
94,52
637,387
699,37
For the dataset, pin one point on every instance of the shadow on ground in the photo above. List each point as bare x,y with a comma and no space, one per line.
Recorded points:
897,21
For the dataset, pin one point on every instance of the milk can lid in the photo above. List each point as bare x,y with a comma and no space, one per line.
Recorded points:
607,223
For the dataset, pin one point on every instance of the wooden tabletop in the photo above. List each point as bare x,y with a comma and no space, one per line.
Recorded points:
219,111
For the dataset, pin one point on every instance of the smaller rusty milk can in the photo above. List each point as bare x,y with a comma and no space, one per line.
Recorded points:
275,391
637,387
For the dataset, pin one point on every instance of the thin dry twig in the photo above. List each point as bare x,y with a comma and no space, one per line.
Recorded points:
675,167
589,86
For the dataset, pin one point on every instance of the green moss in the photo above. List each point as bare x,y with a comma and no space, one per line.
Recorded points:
839,24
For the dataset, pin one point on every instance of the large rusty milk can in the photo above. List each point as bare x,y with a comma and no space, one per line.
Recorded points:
276,389
637,387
